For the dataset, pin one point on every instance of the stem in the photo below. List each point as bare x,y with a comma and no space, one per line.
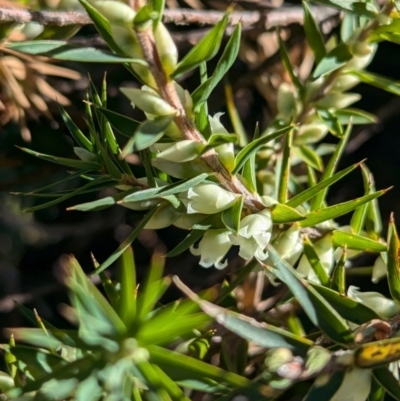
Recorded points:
185,124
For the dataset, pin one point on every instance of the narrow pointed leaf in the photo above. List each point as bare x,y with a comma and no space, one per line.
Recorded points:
124,125
254,146
338,281
357,242
313,34
335,59
386,379
171,189
206,49
330,168
309,156
288,64
315,262
76,133
387,84
315,189
315,306
126,243
285,169
332,122
282,214
393,267
332,212
79,164
355,116
186,243
203,92
61,50
348,308
326,391
231,217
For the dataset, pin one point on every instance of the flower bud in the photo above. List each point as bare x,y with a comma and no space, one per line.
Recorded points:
185,98
277,357
209,199
116,12
215,124
309,133
254,235
226,155
178,152
324,250
384,307
355,386
360,62
379,270
166,48
361,49
187,221
212,248
286,103
141,205
149,102
345,82
164,216
338,100
181,170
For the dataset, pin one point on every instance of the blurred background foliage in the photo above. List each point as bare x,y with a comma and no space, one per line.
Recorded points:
31,244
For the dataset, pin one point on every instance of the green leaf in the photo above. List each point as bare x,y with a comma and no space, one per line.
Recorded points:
355,116
313,34
285,169
182,367
153,193
206,49
282,214
124,125
100,183
348,308
79,164
315,189
263,334
315,306
335,59
186,243
349,24
254,146
327,390
126,243
203,92
353,6
393,268
76,133
231,217
332,212
387,84
61,50
315,262
110,166
249,167
158,7
377,392
146,134
127,293
309,156
331,121
338,282
357,242
330,168
102,25
386,379
288,64
96,205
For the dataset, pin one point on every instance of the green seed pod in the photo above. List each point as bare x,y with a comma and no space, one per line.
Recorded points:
166,47
338,100
149,102
309,133
286,103
116,12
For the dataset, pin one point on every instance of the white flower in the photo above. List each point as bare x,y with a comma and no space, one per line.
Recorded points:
254,235
209,199
384,307
212,248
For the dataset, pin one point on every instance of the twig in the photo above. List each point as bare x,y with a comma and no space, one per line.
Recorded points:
266,20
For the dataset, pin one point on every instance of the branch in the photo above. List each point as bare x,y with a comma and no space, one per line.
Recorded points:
266,20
